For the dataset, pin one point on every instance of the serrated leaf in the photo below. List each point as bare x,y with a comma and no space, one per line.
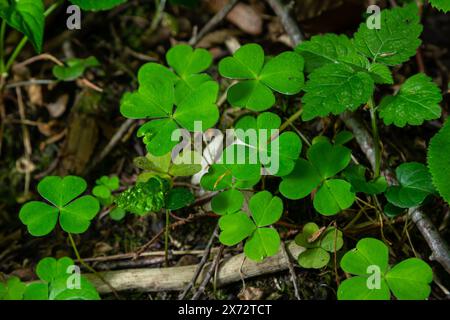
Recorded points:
415,184
324,49
439,161
443,5
96,5
396,40
26,16
335,88
264,242
380,73
417,101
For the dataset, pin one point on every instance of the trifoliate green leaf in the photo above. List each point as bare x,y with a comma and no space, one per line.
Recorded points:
74,68
74,214
235,227
334,196
439,161
443,5
13,289
48,269
335,88
264,242
95,5
328,159
396,40
415,185
368,252
324,49
26,16
356,175
186,61
226,202
283,73
112,183
417,101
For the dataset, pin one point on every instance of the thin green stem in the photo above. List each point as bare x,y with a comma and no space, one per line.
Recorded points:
291,119
376,137
84,264
166,238
2,47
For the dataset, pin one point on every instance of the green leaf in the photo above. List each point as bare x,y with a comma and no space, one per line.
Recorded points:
178,198
332,240
356,175
187,61
335,88
39,217
392,211
301,181
307,238
26,16
117,214
77,215
59,290
48,269
343,137
415,185
264,242
101,192
328,159
417,101
368,252
157,136
410,279
442,5
333,197
13,289
74,68
266,209
396,40
226,202
283,73
112,183
96,5
60,191
356,288
235,228
315,258
381,74
439,162
185,164
324,49
36,291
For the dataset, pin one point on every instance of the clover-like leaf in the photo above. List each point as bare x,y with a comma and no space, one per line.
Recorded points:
417,101
325,49
264,242
229,201
187,61
266,209
334,196
443,5
26,16
74,68
96,5
36,291
309,237
314,258
283,74
48,269
408,279
13,289
438,162
235,227
331,240
415,184
74,214
335,88
397,38
356,175
60,291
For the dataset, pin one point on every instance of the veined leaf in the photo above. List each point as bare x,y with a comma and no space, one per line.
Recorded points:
96,5
443,5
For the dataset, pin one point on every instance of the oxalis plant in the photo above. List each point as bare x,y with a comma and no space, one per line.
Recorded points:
330,74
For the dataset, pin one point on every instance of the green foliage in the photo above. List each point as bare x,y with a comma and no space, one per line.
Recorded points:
318,243
194,96
26,16
324,161
356,175
13,289
262,241
178,198
439,161
74,212
418,100
397,39
259,76
414,185
104,188
74,68
443,5
408,280
96,5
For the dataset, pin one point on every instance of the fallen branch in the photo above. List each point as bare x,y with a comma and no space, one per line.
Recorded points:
177,278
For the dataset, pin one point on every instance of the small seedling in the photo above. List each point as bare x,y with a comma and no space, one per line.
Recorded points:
319,243
75,213
103,192
375,280
74,68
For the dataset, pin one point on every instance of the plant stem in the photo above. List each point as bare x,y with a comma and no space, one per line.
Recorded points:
376,137
24,40
2,47
166,238
82,262
291,119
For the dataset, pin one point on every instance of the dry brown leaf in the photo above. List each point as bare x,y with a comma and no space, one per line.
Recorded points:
57,108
